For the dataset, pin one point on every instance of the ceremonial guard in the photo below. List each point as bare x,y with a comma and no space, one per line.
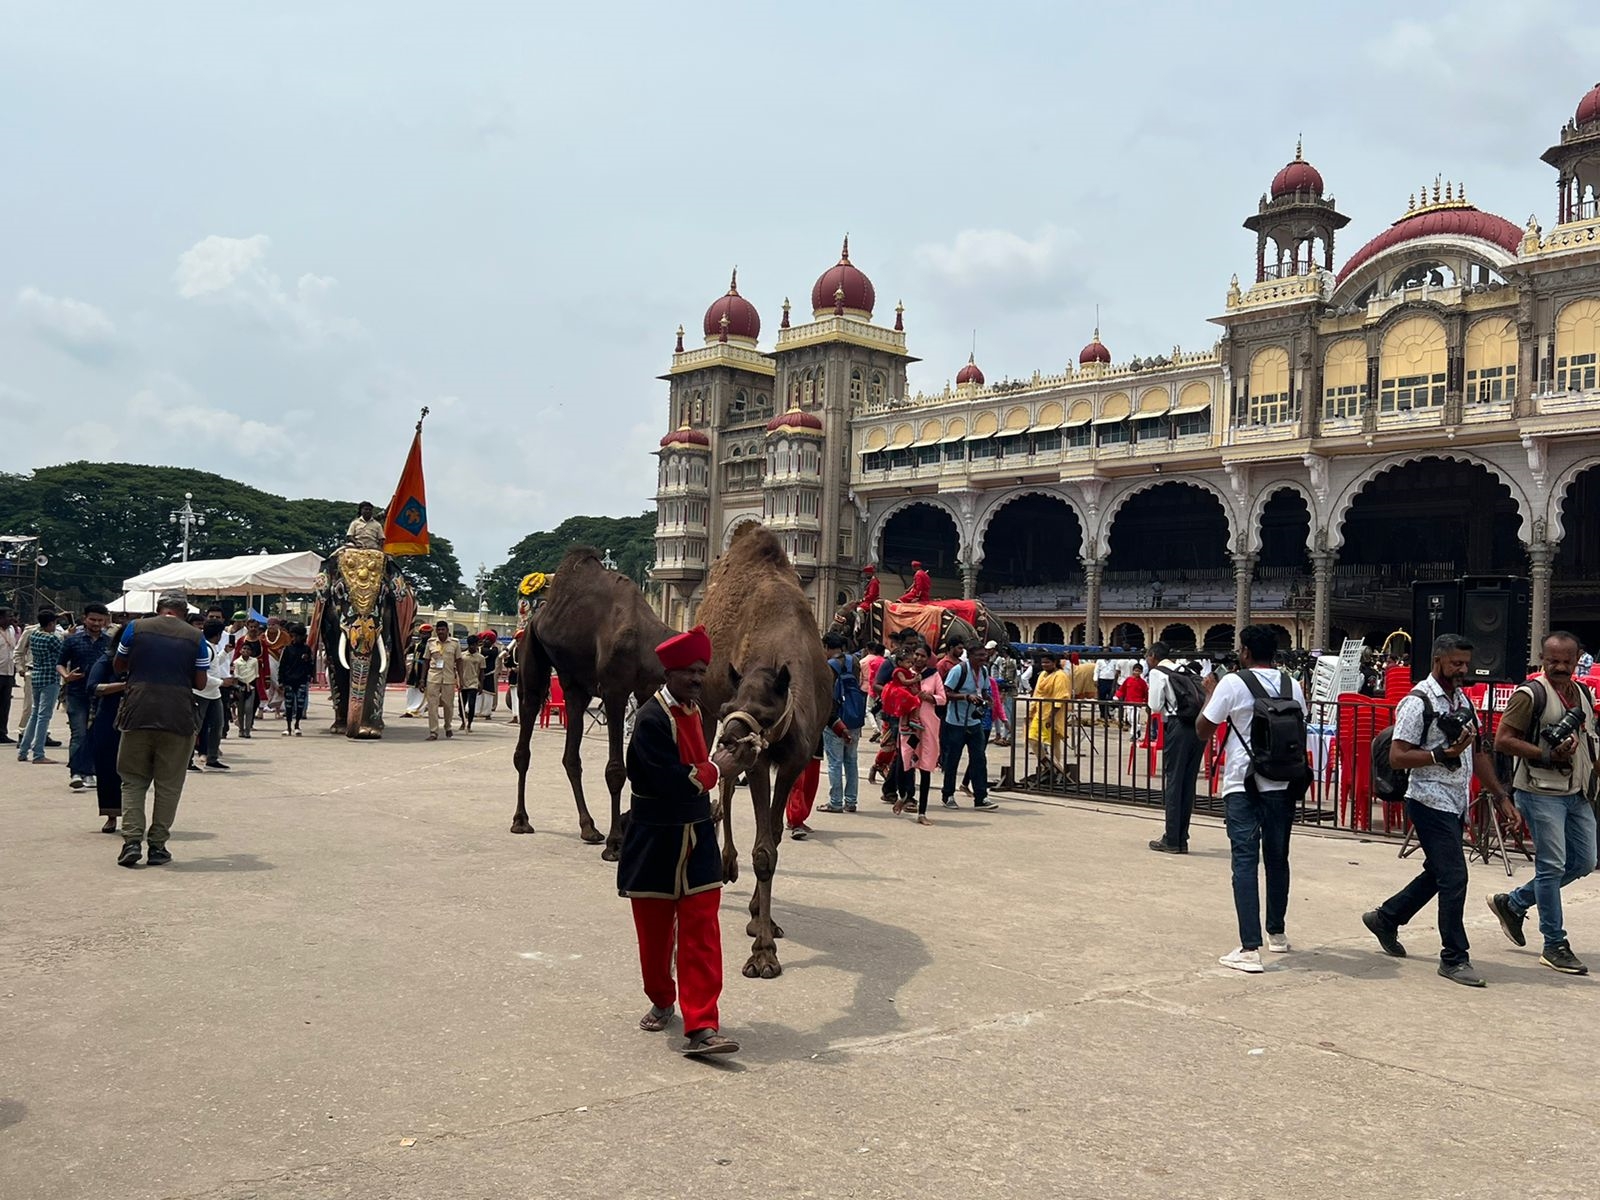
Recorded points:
921,589
873,589
670,865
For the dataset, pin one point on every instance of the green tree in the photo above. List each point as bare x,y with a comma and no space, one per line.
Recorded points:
631,541
99,523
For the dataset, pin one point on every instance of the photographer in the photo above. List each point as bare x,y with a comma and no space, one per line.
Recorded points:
966,686
1435,729
1547,728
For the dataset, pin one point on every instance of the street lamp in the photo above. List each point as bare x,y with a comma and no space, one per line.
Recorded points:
608,562
188,518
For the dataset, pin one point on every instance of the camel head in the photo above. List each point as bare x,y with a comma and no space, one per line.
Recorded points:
759,714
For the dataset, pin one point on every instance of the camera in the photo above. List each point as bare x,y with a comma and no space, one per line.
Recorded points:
1569,725
1452,725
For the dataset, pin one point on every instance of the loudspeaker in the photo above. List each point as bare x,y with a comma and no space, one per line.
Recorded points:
1435,609
1495,612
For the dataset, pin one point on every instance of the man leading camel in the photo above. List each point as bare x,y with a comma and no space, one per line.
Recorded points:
670,866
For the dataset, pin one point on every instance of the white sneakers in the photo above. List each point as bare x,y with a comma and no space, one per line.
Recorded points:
1278,943
1248,961
76,783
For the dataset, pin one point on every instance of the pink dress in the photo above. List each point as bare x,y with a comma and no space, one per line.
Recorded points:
926,755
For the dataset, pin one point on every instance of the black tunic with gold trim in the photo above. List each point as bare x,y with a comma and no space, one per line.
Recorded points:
670,846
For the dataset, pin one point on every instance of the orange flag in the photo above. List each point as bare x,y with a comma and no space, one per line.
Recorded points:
405,526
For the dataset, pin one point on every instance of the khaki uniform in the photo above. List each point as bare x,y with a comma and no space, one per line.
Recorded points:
443,661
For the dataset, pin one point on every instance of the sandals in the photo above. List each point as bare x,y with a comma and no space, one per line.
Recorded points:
656,1019
709,1041
899,807
923,820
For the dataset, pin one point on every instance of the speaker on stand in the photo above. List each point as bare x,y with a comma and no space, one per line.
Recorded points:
1495,616
1435,609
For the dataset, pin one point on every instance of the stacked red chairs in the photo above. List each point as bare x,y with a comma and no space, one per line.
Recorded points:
1152,743
555,705
1360,719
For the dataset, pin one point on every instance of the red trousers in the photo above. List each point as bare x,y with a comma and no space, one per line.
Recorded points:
689,926
803,795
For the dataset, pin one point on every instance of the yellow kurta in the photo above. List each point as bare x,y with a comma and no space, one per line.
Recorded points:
1047,722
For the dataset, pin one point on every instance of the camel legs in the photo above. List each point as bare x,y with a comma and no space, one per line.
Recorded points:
572,760
763,962
730,850
616,772
533,686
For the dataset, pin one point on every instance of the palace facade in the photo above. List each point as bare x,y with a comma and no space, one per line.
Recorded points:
1424,408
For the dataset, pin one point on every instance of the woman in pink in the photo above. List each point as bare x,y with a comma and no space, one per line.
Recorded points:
921,759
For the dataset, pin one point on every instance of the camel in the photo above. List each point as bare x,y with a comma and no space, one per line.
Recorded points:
596,629
859,628
770,685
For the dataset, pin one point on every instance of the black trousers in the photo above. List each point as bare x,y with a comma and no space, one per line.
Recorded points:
1444,874
209,739
7,682
1180,766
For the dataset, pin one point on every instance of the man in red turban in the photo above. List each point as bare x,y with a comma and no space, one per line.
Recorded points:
921,589
670,866
873,590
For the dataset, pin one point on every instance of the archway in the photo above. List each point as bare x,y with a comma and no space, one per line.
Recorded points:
1080,636
1050,633
1013,634
1176,530
1285,533
1031,541
1128,635
1219,637
1575,586
924,533
1178,636
1285,638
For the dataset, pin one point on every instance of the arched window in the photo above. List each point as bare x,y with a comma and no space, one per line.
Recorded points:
699,408
740,402
1344,378
1491,361
1431,274
763,402
875,391
1270,402
856,392
1412,364
807,392
1577,344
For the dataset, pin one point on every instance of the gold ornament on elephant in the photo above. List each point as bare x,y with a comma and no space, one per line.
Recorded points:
362,571
363,634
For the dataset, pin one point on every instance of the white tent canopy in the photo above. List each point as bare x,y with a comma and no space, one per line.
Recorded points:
295,572
138,602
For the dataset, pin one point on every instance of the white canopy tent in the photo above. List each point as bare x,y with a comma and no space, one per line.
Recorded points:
244,573
138,603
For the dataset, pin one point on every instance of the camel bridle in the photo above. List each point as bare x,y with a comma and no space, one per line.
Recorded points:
758,737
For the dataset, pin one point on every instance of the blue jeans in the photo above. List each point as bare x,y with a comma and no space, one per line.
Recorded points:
79,760
1258,828
1444,874
842,760
1563,850
38,727
975,740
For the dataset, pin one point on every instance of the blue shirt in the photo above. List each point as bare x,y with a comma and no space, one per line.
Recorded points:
201,660
963,678
79,653
44,652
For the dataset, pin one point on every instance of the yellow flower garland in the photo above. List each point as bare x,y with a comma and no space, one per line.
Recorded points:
532,582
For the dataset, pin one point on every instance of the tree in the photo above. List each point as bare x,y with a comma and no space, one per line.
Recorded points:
631,541
99,523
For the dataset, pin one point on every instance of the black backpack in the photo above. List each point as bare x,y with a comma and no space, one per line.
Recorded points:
1188,695
1277,741
1389,784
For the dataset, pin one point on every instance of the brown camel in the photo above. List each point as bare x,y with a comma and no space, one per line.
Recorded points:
769,681
859,628
596,629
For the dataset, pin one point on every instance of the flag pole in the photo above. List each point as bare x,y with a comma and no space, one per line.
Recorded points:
422,418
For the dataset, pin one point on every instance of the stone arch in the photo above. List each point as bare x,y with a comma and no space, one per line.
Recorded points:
1555,525
1099,544
992,510
1044,629
1340,508
1017,420
877,439
1220,636
1128,634
1179,636
1264,494
1013,634
736,523
881,521
1577,333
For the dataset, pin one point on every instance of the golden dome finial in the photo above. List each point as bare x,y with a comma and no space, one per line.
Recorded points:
1299,156
1436,189
1449,192
733,283
844,254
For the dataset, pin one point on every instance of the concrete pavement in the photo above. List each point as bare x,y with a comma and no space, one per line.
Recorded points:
354,982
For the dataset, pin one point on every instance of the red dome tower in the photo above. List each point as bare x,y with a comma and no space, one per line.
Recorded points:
744,322
1576,157
843,286
970,374
1298,220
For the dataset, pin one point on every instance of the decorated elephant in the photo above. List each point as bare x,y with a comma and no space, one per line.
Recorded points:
362,620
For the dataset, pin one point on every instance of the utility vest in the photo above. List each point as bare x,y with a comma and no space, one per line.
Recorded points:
160,693
1548,781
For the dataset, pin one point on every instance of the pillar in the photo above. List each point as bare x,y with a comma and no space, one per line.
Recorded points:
1093,569
1322,579
1541,557
969,581
1244,573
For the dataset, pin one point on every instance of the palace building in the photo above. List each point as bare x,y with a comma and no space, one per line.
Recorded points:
1425,407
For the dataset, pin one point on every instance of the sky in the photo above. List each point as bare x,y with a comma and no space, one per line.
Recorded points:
257,238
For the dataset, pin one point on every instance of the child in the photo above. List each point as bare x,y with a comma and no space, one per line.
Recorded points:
902,699
1134,692
246,671
294,677
472,667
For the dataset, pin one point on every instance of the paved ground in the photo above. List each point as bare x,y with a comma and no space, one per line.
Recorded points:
353,982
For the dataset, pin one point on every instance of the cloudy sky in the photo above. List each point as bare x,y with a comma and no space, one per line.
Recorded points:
256,238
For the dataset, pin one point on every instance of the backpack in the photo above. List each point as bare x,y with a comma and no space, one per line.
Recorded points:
1277,741
1389,784
1188,696
849,701
986,705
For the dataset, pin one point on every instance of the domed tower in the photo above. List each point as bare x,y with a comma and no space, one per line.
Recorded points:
1298,221
683,514
1576,158
970,378
1094,358
792,487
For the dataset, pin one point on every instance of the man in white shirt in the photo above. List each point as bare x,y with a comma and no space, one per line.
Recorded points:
208,700
9,632
1106,671
1260,809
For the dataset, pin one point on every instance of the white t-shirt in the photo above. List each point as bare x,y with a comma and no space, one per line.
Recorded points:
1107,668
1232,704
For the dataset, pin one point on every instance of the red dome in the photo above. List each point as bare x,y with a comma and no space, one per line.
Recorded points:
1589,107
1094,352
970,373
1298,176
686,437
743,319
1461,221
859,296
795,421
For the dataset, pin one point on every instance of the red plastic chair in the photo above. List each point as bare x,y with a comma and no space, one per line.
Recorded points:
555,705
1153,741
1360,718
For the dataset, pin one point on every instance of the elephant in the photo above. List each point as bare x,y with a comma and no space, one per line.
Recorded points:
362,619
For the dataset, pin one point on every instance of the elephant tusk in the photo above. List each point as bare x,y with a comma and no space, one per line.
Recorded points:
383,661
344,657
